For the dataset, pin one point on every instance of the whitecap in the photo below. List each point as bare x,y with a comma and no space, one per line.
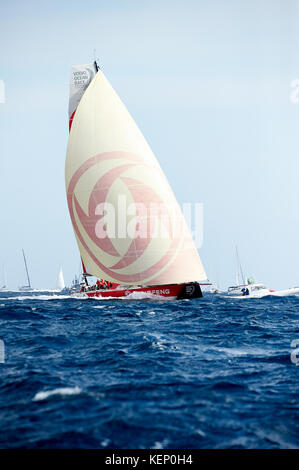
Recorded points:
39,297
161,445
57,391
105,442
243,351
160,345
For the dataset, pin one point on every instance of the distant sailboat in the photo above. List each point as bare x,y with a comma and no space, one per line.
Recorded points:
27,287
60,280
4,287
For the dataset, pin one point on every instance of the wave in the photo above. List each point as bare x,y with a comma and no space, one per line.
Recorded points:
242,351
39,297
57,391
144,295
211,370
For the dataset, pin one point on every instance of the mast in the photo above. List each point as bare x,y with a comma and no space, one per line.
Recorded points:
239,268
29,285
85,273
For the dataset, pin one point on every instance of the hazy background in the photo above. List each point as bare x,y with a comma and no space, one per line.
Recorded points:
209,84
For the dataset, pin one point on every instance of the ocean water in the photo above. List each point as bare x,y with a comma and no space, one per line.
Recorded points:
204,373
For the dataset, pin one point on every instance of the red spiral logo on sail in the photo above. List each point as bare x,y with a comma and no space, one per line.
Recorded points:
140,192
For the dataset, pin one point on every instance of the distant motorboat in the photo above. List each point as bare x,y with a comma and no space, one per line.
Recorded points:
253,289
28,287
258,290
249,288
76,284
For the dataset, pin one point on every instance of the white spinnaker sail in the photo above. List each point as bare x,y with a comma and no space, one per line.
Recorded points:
109,162
60,280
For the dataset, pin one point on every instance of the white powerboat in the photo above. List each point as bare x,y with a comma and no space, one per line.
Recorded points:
258,290
251,289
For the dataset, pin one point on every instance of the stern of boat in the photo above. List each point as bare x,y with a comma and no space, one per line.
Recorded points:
191,290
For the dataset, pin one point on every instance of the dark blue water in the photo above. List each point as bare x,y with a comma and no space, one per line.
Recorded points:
204,373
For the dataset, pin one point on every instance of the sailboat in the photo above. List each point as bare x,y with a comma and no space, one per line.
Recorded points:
4,288
129,228
60,280
26,288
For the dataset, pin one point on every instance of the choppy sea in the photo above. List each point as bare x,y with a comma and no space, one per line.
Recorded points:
212,373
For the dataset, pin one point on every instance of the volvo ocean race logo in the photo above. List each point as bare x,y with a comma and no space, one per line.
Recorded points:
82,77
135,239
190,288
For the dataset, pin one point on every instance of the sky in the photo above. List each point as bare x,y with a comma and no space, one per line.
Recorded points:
212,86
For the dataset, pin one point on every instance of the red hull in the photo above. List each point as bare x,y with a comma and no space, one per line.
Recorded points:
170,291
